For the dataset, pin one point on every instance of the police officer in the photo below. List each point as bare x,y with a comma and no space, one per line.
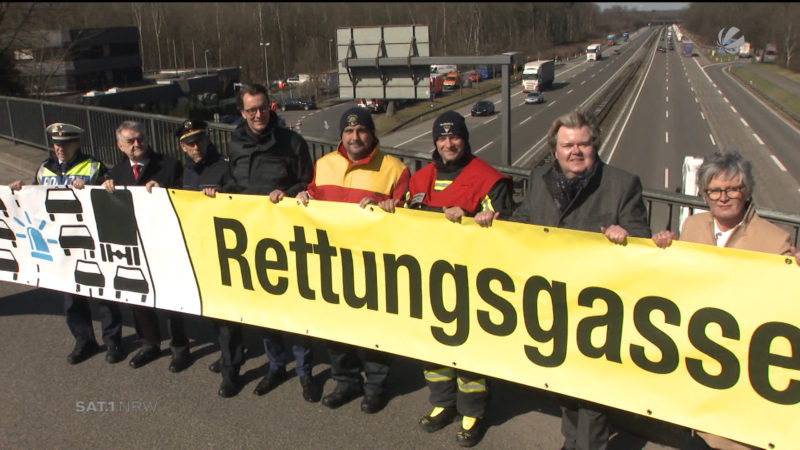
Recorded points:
68,166
204,169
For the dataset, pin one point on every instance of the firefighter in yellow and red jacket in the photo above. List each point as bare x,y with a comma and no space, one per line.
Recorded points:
458,184
358,172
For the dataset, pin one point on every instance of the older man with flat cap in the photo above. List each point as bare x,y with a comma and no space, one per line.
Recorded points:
358,172
68,166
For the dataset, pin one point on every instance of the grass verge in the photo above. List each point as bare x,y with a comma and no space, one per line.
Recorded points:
786,100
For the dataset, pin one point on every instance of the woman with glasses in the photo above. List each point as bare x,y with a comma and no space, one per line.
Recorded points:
726,182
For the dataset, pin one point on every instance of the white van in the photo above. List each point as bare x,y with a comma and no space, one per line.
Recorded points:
298,79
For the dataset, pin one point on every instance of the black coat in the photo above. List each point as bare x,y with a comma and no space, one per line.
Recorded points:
212,171
166,170
276,159
611,197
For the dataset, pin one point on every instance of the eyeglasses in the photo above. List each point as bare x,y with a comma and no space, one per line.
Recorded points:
731,192
252,111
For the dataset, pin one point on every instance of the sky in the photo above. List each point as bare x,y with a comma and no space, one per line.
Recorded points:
642,6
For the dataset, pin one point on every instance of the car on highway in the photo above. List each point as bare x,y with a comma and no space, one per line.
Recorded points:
482,108
372,105
296,103
662,49
534,97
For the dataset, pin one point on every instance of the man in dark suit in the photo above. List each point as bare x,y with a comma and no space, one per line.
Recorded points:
142,166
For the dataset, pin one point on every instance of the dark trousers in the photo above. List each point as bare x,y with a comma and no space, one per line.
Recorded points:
584,428
79,320
231,346
275,343
146,322
346,366
467,391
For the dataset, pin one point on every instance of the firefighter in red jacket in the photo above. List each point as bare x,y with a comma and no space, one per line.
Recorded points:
458,184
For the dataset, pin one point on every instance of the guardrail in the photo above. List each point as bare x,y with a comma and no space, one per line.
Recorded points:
24,120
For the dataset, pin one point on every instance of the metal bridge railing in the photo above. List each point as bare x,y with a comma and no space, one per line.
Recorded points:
24,121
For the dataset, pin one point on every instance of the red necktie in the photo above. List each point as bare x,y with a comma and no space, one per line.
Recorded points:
136,168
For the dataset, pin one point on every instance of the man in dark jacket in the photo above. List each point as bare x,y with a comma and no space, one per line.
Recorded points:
204,169
579,192
142,166
266,159
68,166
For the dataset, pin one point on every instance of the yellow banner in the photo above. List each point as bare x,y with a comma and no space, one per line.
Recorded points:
695,335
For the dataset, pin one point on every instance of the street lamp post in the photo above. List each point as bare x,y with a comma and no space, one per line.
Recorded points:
330,55
205,55
266,63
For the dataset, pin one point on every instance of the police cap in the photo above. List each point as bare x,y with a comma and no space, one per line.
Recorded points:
63,132
191,131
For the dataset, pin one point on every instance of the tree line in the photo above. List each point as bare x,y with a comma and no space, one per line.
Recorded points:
185,35
760,24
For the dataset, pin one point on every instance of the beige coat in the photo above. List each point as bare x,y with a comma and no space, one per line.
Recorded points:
755,234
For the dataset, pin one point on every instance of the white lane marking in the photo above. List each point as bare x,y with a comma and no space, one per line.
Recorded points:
412,139
551,104
495,117
583,82
726,100
778,163
668,99
484,147
667,113
734,109
529,118
758,139
570,91
666,137
710,136
741,119
696,100
703,116
666,178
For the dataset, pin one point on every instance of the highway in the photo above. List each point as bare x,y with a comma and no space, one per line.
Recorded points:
681,107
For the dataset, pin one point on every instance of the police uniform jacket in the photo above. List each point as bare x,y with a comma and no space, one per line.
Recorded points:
166,170
81,166
211,172
276,159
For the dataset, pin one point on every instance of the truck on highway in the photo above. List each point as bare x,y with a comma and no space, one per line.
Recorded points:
487,71
451,81
593,53
538,75
611,40
443,69
744,50
687,48
437,84
625,37
770,53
